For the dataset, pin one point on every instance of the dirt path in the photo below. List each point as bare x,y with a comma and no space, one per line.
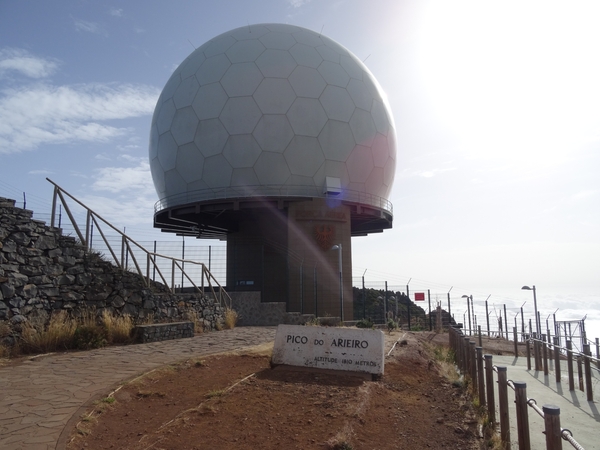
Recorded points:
238,401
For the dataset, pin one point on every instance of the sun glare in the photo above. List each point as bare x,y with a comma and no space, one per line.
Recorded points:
514,80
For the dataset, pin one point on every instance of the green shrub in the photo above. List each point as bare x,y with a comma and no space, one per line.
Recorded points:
364,323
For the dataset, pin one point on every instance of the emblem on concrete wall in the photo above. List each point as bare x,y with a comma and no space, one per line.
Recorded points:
324,235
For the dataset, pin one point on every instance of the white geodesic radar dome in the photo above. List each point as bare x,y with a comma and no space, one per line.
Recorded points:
266,106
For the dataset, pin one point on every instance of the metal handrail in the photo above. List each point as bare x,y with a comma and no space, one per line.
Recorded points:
94,218
238,192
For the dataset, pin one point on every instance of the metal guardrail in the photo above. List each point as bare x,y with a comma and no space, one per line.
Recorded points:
126,251
238,192
473,364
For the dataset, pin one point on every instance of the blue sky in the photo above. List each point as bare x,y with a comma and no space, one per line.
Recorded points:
495,104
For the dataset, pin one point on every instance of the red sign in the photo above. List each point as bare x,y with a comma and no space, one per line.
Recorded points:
419,296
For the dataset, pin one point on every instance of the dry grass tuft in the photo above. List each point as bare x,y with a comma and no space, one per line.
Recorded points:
192,316
118,328
58,335
230,319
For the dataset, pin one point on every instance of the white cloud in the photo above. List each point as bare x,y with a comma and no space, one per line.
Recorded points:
18,60
89,27
117,12
125,179
45,114
298,3
40,172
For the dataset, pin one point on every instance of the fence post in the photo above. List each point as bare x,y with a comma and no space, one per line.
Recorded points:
545,354
598,353
467,360
480,380
550,352
552,426
480,338
503,403
522,417
570,365
556,359
580,372
489,384
528,343
515,338
473,366
588,372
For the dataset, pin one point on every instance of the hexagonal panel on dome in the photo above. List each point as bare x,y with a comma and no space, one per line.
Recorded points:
250,32
274,96
336,140
240,115
337,103
217,172
362,127
174,182
169,89
352,67
273,132
244,177
306,55
308,37
165,116
389,170
276,63
307,116
380,117
158,177
328,54
218,45
277,40
360,164
334,74
304,156
360,94
167,151
241,151
190,162
271,169
307,82
184,125
212,69
191,65
334,169
245,51
185,93
241,79
374,183
209,101
153,147
380,149
299,180
211,137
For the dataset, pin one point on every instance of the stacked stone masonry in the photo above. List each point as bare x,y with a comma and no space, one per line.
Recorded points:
42,271
163,331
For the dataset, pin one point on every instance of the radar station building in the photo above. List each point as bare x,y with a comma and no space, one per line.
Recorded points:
279,141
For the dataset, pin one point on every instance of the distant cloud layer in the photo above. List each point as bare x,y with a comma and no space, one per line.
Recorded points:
22,62
39,113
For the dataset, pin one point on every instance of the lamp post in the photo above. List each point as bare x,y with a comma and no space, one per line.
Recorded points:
537,320
469,309
338,247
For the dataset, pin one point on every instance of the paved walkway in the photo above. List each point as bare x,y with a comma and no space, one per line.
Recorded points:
39,396
576,413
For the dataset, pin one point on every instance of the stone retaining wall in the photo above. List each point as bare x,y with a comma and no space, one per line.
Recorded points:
42,271
163,331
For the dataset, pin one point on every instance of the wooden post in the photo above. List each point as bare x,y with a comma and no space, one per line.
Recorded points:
544,354
480,380
580,372
570,365
522,415
489,384
588,372
556,359
480,338
473,365
503,403
515,339
552,426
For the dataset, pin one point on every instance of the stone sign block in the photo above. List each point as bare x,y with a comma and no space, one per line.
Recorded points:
330,348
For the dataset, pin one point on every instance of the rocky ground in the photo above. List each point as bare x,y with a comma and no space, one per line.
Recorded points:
238,401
